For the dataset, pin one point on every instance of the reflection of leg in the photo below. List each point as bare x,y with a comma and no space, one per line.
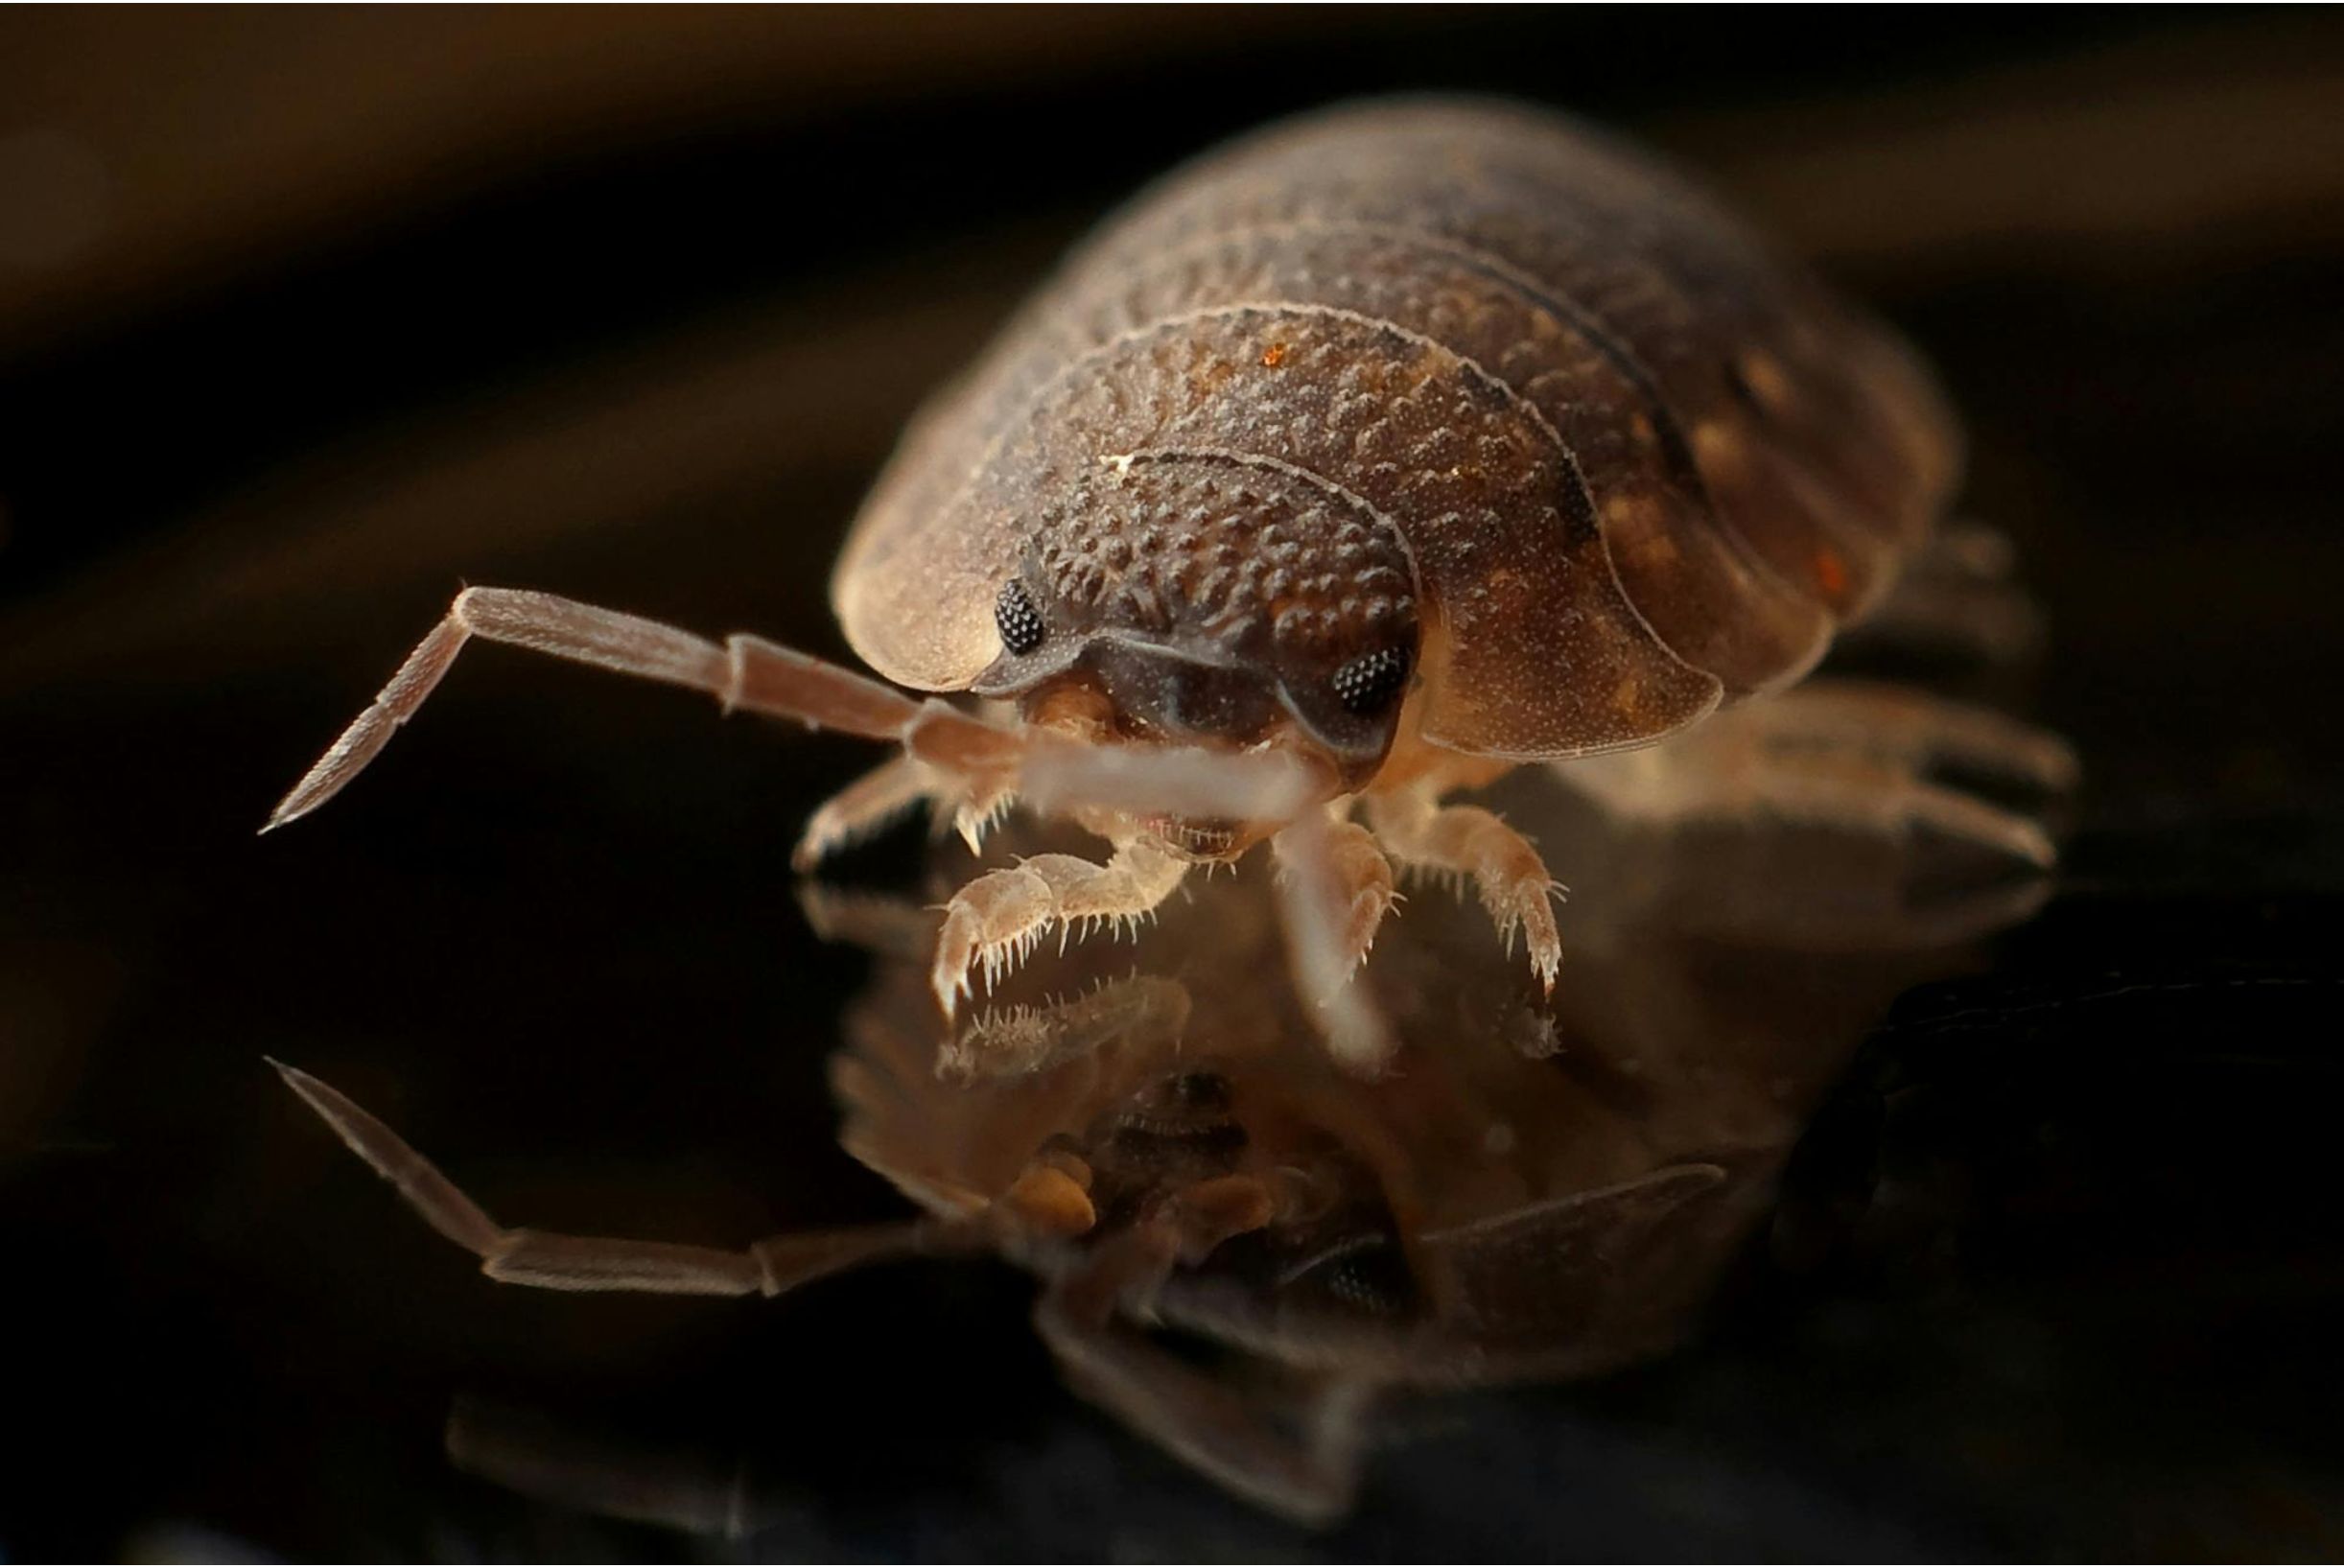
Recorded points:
1301,1460
1467,841
603,1474
995,921
878,923
1842,754
1144,1010
554,1261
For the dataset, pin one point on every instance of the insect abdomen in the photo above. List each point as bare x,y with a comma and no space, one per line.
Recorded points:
1641,395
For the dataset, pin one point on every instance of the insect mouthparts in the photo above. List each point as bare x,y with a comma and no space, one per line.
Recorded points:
1198,838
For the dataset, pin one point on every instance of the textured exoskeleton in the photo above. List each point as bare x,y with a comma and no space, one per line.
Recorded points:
1351,466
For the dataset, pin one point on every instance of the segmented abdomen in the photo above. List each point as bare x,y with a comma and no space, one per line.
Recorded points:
1682,411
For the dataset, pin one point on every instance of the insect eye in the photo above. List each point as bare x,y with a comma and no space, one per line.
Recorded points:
1020,623
1367,685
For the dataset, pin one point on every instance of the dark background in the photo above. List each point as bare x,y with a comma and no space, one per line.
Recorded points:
306,317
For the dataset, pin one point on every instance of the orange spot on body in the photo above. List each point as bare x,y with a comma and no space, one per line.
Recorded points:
1274,355
1830,572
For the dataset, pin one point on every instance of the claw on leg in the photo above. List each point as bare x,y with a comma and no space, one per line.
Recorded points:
1467,841
1364,885
994,923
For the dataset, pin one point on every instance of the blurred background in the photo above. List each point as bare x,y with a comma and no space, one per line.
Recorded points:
308,316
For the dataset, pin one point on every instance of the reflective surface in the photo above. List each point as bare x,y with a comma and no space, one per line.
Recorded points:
1533,1190
2056,1266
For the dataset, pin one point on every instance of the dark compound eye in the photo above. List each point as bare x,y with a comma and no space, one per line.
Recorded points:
1020,623
1367,684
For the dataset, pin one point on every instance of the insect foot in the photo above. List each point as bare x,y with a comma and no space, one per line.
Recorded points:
1462,841
992,924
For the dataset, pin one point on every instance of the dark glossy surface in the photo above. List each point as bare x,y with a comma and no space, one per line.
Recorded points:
2061,1266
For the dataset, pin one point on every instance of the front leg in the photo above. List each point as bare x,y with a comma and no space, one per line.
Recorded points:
1467,841
994,922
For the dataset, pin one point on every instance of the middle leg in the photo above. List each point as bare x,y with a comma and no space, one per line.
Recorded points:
1467,841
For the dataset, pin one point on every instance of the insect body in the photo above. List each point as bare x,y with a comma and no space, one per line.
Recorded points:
1353,465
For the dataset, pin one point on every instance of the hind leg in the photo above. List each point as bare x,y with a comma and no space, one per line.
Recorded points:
1903,728
1844,754
1956,599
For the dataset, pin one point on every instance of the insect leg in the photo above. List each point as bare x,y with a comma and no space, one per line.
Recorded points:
1294,1451
1291,1448
1363,884
744,672
995,919
1905,727
1958,599
1467,841
1326,890
862,807
1844,755
554,1261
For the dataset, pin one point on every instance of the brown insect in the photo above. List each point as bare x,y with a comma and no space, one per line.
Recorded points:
1352,466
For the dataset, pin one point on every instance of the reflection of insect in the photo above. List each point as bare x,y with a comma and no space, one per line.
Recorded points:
1388,450
1546,1192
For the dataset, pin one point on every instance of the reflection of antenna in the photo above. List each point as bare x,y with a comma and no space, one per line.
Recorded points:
1537,1187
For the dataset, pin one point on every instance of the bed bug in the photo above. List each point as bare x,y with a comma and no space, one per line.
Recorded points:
1351,466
